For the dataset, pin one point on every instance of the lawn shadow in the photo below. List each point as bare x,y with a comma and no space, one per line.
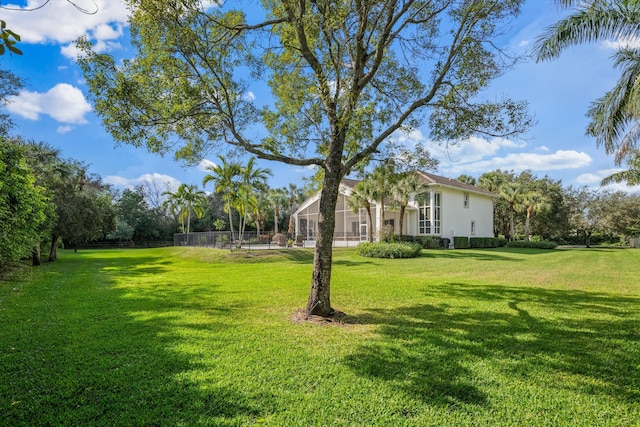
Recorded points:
428,350
111,355
477,254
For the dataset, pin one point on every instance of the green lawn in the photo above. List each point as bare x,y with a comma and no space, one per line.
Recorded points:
200,337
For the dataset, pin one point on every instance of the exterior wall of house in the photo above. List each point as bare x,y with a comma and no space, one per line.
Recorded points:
457,218
459,210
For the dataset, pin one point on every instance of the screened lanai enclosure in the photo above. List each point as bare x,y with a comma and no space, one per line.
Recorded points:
352,226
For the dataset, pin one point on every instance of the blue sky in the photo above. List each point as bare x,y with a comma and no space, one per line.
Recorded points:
53,107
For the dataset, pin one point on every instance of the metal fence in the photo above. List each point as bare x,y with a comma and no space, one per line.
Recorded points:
251,240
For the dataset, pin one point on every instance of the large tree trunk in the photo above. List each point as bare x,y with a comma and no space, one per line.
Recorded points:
527,225
512,229
370,227
319,302
53,252
402,209
35,255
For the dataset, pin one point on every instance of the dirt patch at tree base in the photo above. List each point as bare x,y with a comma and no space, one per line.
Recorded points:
337,318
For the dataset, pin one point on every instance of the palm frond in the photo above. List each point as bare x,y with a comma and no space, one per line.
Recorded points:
592,21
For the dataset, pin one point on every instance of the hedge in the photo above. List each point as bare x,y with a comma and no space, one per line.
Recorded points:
484,242
389,250
460,242
532,245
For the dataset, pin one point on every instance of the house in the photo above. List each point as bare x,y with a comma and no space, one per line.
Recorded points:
448,208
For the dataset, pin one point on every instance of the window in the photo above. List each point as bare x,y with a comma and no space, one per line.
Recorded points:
465,197
436,213
424,219
429,214
355,227
473,228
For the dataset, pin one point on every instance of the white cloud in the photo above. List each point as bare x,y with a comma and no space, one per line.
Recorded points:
61,22
523,43
560,160
204,164
544,148
629,42
592,180
63,102
411,137
70,51
63,129
623,188
249,96
595,177
162,181
475,149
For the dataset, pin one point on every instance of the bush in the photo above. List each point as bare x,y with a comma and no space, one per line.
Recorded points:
484,242
389,250
460,242
532,245
429,242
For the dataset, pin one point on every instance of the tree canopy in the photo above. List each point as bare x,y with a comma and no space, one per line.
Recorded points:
22,204
343,76
614,117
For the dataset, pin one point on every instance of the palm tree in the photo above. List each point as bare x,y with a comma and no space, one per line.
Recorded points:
614,117
466,179
532,201
193,201
510,192
630,176
296,196
361,197
252,179
173,202
225,181
262,205
401,191
381,180
278,199
184,202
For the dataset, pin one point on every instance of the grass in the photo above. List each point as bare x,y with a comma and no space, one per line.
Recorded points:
179,336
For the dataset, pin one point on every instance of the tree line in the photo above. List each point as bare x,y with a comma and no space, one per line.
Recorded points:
529,207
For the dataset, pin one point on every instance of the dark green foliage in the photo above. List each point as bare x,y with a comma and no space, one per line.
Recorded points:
428,242
10,85
22,204
532,245
389,250
461,242
484,242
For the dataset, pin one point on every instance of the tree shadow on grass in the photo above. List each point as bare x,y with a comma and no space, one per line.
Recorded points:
101,354
429,350
476,254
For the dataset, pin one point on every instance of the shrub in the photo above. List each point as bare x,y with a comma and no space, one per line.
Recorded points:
387,235
389,250
429,242
460,242
532,245
484,242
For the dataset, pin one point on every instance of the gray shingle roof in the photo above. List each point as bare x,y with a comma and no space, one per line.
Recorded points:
430,178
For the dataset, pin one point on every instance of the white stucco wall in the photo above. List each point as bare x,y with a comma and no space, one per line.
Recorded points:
456,219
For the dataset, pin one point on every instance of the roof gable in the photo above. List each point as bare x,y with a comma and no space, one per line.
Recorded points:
430,178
